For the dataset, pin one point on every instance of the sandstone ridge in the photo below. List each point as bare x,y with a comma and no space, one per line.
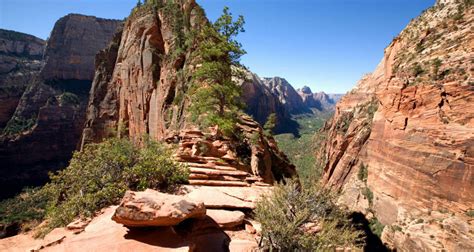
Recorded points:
400,143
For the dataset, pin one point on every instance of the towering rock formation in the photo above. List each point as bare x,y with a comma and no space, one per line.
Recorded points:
319,101
260,101
400,145
73,44
47,123
20,62
287,95
140,87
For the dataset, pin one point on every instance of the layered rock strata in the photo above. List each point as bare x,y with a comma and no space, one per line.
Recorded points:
400,143
20,63
140,88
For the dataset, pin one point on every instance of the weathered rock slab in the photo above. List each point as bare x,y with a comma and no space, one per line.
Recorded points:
225,218
222,197
152,208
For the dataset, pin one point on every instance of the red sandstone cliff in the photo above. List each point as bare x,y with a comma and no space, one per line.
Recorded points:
410,124
140,88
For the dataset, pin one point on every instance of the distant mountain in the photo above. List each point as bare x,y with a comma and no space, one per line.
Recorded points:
287,95
320,101
264,96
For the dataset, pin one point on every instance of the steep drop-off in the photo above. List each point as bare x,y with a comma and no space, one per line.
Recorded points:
48,120
400,145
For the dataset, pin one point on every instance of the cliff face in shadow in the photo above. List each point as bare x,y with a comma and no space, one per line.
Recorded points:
47,122
20,63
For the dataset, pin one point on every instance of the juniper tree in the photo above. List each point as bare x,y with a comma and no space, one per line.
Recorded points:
215,96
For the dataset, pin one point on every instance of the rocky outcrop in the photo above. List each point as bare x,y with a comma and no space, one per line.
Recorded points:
400,143
20,62
260,102
48,120
154,209
22,45
136,89
225,218
194,234
140,88
73,44
222,161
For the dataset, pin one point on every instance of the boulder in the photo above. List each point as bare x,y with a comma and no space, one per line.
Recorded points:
226,218
152,208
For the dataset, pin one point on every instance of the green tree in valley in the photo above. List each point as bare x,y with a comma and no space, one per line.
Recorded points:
270,124
215,96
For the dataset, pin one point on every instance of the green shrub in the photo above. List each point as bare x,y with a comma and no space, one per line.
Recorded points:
396,228
19,124
284,213
29,206
363,173
67,98
470,213
369,195
376,227
254,138
98,176
436,65
417,69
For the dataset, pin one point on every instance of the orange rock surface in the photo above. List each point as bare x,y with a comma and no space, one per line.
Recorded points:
410,125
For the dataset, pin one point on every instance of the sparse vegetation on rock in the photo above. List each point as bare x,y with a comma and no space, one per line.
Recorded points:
214,95
17,125
296,218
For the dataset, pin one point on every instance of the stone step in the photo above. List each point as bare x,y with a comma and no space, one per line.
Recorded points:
217,183
218,172
199,159
200,176
210,166
262,184
253,179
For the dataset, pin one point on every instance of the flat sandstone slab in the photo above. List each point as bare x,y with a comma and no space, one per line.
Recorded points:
153,208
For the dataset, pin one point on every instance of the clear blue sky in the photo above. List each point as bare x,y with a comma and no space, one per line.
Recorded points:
325,44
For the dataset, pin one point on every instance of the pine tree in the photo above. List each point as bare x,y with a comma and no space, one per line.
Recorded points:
215,97
270,124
